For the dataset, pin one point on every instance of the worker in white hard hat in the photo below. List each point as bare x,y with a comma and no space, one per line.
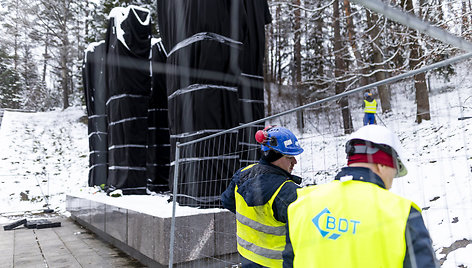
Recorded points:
355,221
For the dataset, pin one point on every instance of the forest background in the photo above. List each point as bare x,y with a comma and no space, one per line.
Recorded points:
314,49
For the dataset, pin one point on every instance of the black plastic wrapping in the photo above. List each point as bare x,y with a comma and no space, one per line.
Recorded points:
202,82
158,156
210,42
251,88
129,85
95,97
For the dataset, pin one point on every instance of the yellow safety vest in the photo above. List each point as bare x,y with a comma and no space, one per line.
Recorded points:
348,224
260,237
370,107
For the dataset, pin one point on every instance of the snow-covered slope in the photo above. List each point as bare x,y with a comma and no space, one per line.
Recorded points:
41,155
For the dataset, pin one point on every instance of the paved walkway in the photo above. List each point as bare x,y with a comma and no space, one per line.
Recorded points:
67,246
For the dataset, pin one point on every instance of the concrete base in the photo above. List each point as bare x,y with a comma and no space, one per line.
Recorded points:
201,240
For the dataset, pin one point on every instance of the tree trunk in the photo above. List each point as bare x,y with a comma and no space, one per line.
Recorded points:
384,93
421,88
45,56
320,83
64,79
340,69
278,52
360,67
297,57
465,19
16,37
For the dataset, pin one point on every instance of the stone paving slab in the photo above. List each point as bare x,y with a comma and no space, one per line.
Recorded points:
67,246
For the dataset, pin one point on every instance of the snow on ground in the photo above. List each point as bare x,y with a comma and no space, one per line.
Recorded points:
46,155
42,157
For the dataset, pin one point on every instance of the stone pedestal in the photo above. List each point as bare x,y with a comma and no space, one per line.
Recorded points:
206,239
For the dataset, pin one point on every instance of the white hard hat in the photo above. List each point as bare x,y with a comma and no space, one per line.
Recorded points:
381,137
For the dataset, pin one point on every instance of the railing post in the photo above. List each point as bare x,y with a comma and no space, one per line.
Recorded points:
174,204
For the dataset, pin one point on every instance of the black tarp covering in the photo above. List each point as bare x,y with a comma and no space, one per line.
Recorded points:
158,155
202,88
199,107
224,37
129,85
95,98
180,19
251,89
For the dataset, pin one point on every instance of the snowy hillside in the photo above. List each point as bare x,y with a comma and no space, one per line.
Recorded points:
41,155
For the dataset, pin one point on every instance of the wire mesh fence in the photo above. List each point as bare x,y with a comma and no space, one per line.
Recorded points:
438,151
209,91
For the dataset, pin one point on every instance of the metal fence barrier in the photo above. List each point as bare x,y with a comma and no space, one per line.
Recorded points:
324,155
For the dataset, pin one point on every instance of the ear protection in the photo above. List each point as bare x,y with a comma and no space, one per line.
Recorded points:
262,137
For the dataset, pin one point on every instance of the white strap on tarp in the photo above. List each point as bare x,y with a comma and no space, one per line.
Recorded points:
97,116
158,165
127,120
159,145
158,110
116,97
205,36
196,87
158,128
252,101
126,168
97,133
98,152
97,165
126,146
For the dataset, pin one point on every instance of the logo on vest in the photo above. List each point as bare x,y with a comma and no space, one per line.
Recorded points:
332,227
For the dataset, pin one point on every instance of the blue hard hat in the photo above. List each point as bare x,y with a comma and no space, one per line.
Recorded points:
279,139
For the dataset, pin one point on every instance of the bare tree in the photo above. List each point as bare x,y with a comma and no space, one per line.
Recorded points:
56,18
297,59
421,88
378,60
340,69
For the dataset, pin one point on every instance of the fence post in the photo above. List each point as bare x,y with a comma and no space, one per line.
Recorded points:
174,203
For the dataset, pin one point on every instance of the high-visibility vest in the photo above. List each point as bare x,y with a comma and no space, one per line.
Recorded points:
348,224
260,237
370,106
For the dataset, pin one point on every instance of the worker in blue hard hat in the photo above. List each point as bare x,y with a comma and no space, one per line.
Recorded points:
370,109
260,193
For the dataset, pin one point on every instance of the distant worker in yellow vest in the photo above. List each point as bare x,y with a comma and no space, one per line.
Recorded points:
355,221
370,109
260,193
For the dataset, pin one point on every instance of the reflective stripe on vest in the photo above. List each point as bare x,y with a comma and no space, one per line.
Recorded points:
273,230
370,107
260,237
362,222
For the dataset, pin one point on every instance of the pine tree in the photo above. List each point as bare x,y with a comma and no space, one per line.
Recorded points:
9,82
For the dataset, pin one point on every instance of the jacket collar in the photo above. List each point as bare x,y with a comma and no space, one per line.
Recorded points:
360,174
277,169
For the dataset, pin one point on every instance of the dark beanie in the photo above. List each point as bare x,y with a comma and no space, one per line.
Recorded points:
271,156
